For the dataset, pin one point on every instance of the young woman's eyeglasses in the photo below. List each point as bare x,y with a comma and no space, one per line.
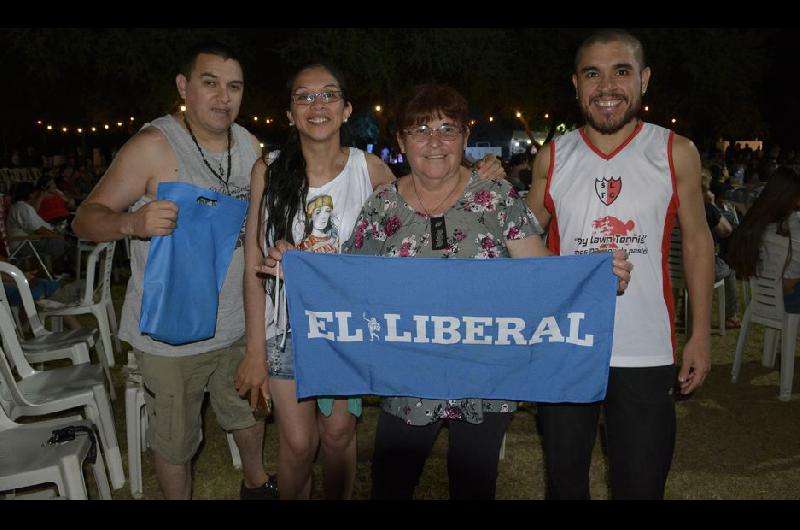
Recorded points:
329,96
423,133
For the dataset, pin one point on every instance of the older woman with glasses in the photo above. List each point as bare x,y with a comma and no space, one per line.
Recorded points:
317,185
441,209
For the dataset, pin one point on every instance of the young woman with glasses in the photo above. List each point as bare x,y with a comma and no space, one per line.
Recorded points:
315,161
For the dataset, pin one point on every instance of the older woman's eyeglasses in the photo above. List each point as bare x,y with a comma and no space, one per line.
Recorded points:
423,133
328,96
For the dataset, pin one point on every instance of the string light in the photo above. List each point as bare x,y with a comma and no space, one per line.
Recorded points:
377,108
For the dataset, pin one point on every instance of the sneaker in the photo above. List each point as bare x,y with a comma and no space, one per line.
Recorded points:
266,492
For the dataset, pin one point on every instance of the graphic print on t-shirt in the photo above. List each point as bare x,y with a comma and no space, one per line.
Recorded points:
610,232
608,189
324,236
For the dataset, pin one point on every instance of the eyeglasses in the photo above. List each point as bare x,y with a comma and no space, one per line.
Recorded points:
329,96
447,132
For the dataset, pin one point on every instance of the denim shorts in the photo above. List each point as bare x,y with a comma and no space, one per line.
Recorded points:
281,360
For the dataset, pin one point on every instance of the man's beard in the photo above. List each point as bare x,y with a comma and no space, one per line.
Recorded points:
608,125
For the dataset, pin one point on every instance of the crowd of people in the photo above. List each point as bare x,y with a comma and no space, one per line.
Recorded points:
319,194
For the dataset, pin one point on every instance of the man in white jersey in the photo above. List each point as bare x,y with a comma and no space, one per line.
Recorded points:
620,183
202,146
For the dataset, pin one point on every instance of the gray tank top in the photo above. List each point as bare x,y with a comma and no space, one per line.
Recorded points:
191,169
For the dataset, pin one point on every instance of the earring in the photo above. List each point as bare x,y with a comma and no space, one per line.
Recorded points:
345,120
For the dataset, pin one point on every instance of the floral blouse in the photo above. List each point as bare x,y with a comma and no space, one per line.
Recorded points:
482,220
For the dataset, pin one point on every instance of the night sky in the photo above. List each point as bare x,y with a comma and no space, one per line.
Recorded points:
719,83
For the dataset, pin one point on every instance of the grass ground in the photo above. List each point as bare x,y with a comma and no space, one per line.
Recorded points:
735,441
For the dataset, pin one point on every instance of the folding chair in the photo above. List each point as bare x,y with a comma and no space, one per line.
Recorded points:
44,392
48,345
96,300
766,308
26,459
675,263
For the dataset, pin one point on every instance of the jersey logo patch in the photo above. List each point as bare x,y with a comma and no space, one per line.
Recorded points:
608,189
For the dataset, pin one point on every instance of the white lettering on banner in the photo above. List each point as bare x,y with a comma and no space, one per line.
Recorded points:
451,329
421,337
475,331
510,327
316,328
344,332
547,327
440,329
574,324
391,329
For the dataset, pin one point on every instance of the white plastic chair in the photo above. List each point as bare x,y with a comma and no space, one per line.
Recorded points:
96,301
44,392
136,426
48,345
766,308
675,262
27,460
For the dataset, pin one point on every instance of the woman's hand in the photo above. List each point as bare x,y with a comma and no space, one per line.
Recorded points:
622,269
252,378
274,256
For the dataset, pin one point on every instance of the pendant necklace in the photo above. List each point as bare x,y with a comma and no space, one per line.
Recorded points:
438,228
205,161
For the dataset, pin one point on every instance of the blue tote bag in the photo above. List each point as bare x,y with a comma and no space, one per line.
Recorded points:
186,269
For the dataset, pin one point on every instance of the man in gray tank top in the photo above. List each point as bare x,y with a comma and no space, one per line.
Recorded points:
202,146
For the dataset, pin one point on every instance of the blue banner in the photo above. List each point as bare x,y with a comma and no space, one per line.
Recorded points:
534,329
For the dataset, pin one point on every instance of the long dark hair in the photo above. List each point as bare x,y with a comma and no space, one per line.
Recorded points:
285,193
775,204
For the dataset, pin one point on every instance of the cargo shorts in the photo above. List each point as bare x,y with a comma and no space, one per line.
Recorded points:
174,390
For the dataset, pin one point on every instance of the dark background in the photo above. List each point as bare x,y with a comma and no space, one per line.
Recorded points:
719,83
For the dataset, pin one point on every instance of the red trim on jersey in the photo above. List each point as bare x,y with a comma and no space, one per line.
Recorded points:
615,151
553,238
669,223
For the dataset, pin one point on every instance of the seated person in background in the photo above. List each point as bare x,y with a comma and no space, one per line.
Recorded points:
24,221
721,229
54,205
41,288
520,162
773,218
720,180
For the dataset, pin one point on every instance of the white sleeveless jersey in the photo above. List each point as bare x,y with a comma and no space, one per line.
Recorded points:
625,200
